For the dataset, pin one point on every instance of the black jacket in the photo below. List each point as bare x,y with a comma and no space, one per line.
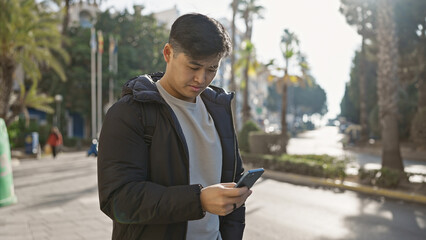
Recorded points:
146,192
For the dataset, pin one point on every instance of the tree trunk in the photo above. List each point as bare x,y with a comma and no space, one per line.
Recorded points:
246,105
418,127
66,18
6,83
232,83
387,86
283,116
363,95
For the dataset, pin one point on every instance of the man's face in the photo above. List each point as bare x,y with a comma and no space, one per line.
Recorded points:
186,78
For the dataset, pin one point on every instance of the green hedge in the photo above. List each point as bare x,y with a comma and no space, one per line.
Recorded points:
312,165
17,132
384,177
243,135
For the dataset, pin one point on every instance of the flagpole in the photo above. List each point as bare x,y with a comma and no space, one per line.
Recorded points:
111,66
100,51
115,65
93,80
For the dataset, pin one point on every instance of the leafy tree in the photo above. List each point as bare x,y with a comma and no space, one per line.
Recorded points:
387,85
350,104
75,91
140,42
309,100
29,37
411,29
273,98
348,107
64,6
362,15
305,100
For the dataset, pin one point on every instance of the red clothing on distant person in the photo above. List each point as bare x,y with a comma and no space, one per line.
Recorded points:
55,139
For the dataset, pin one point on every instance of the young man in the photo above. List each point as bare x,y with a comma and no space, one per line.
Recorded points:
178,181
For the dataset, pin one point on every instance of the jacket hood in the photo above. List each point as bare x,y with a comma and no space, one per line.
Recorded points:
143,89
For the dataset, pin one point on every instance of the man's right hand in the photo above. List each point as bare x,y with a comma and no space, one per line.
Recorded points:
220,198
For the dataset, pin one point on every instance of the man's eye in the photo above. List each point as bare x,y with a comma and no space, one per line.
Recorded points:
212,70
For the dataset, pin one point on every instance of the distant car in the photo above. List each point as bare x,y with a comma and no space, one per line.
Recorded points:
272,128
332,122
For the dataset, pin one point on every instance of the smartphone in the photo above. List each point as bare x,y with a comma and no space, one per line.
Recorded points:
250,177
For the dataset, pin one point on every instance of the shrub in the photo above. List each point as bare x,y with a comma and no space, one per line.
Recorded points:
70,142
17,132
389,178
312,165
384,177
243,135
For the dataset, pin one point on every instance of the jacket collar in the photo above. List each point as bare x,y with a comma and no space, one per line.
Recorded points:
143,89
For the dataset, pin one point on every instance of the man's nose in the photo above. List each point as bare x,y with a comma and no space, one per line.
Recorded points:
200,76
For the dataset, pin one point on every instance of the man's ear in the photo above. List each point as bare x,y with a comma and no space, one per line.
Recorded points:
167,52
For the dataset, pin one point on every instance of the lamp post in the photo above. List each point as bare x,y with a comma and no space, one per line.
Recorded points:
58,100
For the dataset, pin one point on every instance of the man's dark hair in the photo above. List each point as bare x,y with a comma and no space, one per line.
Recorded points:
199,36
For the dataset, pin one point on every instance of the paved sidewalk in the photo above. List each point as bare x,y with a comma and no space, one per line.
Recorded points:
57,200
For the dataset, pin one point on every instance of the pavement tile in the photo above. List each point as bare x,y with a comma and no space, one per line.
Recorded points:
40,234
17,237
57,200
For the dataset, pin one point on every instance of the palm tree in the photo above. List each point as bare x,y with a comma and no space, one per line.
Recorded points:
29,36
387,85
233,86
247,51
289,49
31,99
249,11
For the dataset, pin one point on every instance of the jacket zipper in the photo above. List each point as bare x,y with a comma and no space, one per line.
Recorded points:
235,159
235,140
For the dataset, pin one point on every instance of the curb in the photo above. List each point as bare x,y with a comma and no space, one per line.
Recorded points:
307,180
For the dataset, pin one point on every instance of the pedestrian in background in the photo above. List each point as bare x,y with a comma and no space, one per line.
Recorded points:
55,140
177,181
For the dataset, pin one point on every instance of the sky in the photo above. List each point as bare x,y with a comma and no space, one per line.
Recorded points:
325,38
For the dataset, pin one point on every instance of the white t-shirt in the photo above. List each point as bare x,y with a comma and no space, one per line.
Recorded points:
205,156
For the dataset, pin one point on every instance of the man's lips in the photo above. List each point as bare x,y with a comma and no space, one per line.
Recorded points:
196,88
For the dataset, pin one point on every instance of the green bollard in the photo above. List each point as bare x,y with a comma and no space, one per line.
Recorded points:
7,191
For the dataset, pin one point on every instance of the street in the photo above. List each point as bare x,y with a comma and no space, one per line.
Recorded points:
57,199
278,210
326,140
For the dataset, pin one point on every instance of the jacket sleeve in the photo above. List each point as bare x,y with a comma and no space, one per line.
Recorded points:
232,225
125,194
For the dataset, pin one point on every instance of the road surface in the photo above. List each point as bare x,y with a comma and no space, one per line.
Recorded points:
326,140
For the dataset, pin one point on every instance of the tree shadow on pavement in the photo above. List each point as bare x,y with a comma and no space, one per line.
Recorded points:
380,218
59,199
44,181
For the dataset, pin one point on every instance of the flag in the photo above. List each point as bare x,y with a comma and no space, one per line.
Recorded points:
115,46
100,42
111,45
93,40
